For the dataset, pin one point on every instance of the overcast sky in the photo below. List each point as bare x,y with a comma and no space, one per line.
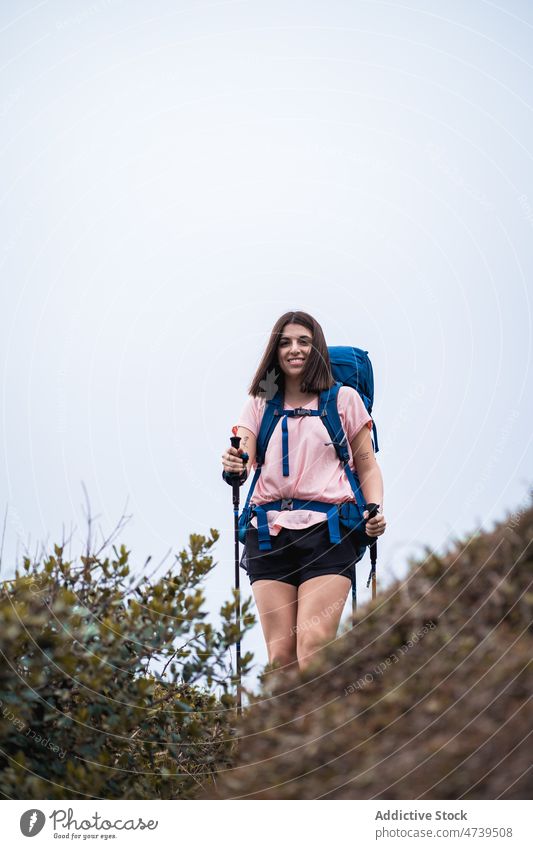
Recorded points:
175,176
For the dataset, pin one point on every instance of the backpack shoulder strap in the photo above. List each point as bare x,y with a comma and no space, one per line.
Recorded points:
329,413
271,416
269,421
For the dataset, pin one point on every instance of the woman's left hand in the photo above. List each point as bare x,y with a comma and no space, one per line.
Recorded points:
375,526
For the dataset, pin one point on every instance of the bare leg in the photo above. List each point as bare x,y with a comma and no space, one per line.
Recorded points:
321,601
276,603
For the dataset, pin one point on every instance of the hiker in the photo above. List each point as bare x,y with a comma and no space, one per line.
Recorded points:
299,578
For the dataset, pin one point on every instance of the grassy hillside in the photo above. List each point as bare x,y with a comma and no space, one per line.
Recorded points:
428,697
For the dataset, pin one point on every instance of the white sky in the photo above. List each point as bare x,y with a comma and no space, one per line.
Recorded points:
174,176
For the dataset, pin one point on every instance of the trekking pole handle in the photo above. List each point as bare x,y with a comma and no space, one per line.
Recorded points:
235,443
236,479
372,510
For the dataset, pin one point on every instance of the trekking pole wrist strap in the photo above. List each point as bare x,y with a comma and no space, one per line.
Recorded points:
233,477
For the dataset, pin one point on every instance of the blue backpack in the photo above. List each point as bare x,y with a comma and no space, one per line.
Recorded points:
350,367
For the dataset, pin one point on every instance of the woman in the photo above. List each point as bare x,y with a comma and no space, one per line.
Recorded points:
300,585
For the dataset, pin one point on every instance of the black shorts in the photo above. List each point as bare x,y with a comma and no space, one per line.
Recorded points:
297,556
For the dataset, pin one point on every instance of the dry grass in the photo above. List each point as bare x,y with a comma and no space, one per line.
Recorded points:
446,717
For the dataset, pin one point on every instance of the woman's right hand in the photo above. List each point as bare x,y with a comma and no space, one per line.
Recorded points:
232,461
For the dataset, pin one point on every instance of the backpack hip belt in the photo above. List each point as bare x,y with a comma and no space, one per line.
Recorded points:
281,504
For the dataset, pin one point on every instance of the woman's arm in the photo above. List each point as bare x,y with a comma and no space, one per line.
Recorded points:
366,466
248,445
369,474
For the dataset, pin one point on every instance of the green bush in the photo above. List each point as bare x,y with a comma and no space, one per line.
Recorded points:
114,686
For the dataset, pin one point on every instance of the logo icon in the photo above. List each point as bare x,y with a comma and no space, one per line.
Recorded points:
31,822
269,386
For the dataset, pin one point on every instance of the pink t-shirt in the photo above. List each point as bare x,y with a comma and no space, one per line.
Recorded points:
315,471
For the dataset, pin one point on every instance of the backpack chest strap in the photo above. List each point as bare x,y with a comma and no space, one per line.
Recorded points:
299,411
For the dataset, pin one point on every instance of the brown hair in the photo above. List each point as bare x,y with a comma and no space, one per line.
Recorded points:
316,375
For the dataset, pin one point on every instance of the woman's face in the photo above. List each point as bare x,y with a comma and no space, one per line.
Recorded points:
294,348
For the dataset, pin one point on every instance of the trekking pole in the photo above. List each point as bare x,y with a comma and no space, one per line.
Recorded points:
236,484
354,595
372,510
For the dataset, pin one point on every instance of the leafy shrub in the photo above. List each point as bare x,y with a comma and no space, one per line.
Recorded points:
114,686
